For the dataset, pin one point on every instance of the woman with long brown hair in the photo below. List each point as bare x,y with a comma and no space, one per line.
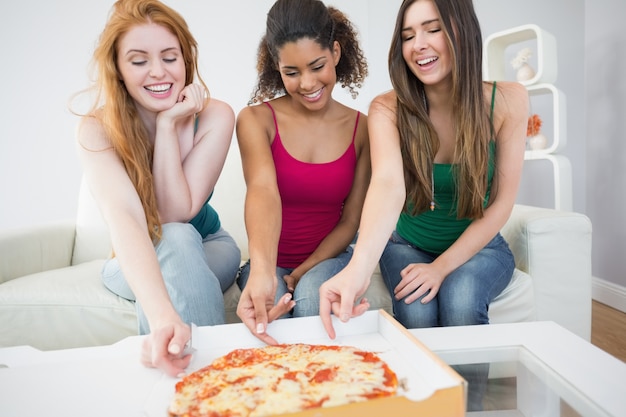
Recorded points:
152,148
447,154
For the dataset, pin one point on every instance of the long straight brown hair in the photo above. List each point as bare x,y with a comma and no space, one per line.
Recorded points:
418,138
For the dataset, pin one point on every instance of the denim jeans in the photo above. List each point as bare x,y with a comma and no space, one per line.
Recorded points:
196,272
464,295
306,293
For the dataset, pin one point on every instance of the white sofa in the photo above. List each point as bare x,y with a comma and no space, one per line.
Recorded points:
51,295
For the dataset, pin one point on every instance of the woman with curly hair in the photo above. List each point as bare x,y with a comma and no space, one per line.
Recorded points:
306,162
152,148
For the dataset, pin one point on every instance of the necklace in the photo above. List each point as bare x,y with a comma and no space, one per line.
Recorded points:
432,170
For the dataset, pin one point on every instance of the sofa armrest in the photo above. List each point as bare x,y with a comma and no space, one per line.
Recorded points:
30,250
554,248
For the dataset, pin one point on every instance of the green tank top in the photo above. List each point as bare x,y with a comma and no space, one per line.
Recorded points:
207,220
435,231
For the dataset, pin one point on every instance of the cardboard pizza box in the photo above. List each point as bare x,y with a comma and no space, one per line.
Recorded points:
430,386
110,380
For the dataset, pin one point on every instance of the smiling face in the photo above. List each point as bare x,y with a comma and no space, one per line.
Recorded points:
151,65
308,71
424,44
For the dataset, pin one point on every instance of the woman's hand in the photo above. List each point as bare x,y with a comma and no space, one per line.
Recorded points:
338,295
191,100
291,282
417,280
164,347
256,307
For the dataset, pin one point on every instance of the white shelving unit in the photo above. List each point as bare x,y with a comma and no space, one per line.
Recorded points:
495,64
494,69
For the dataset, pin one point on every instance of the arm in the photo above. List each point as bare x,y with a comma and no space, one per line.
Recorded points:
186,166
263,217
343,234
123,212
510,120
383,203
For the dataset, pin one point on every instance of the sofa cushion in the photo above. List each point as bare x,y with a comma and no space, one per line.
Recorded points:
29,250
377,293
516,303
65,307
71,307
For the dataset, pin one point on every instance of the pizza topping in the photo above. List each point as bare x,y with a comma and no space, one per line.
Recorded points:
281,379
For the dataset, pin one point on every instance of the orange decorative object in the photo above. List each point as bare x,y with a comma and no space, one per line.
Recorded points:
534,125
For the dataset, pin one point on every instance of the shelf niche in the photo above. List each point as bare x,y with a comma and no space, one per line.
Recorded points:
496,44
558,139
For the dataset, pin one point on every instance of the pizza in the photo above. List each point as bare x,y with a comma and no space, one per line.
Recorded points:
280,379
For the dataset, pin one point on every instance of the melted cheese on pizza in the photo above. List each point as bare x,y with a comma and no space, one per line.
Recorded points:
280,379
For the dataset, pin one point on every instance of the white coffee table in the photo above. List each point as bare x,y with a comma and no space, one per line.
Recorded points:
537,369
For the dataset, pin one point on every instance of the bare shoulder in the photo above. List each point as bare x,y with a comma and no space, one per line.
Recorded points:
386,99
385,105
345,112
90,134
254,111
257,117
511,97
218,110
219,106
217,119
361,133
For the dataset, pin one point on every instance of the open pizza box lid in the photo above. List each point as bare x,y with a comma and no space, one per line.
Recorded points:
431,387
109,380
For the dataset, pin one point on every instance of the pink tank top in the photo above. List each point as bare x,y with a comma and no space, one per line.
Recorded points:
312,198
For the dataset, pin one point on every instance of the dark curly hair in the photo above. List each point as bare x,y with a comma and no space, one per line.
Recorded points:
291,20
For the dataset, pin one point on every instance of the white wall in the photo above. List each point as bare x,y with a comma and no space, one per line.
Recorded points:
564,20
47,51
605,65
44,61
44,66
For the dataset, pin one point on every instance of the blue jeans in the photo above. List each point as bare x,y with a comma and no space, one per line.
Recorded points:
464,295
306,293
196,272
